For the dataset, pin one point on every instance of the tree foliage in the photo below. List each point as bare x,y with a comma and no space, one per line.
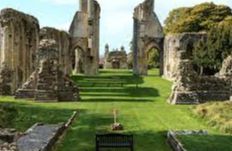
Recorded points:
201,17
153,58
210,53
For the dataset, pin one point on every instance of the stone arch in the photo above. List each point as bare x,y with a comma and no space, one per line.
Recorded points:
78,59
158,45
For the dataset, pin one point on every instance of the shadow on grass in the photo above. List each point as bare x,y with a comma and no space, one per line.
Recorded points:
126,91
104,88
28,115
207,142
118,78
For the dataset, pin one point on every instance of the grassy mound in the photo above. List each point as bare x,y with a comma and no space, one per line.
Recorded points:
216,114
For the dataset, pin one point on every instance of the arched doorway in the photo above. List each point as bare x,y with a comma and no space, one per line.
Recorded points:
153,56
78,60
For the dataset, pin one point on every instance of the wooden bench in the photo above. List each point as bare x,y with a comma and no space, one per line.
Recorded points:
112,141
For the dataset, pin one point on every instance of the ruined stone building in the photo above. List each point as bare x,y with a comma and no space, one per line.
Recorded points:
63,41
22,71
148,34
84,32
116,59
19,38
189,87
176,45
21,67
48,82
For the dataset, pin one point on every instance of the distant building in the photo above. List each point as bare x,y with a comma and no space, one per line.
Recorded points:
116,59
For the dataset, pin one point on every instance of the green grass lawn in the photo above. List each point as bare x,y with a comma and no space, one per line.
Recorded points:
143,111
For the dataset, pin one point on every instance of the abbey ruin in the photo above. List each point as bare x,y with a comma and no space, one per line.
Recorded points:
84,31
19,39
36,63
175,60
148,34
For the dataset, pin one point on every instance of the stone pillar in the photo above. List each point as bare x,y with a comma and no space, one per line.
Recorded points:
19,43
90,9
135,47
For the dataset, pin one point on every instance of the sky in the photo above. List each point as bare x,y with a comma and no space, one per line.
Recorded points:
116,15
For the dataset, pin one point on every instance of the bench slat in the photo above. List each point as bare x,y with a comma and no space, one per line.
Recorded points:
114,141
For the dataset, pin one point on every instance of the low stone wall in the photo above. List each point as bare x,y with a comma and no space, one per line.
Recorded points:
175,143
40,137
190,88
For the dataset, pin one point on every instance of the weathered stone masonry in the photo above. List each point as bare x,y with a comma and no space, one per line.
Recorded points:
189,87
148,34
84,31
116,59
48,82
19,38
62,39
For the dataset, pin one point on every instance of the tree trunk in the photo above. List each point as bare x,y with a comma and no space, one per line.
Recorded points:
201,70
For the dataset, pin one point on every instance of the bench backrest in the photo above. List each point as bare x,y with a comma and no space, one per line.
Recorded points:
114,139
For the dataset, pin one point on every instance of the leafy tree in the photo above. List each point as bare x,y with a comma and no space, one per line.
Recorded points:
201,17
153,58
210,53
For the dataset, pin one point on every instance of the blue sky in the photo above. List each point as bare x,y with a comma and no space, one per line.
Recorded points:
116,15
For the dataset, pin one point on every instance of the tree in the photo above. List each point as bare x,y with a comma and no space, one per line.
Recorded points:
153,58
201,17
210,53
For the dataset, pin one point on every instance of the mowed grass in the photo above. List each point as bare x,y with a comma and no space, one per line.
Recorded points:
143,111
219,116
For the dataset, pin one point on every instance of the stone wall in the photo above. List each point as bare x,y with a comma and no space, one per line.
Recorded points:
84,31
189,87
48,82
148,34
19,37
176,48
63,40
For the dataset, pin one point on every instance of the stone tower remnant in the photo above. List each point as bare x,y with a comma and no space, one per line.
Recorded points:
19,38
84,32
148,34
